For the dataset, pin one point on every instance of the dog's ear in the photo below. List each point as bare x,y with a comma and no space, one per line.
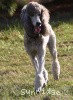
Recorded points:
23,11
45,14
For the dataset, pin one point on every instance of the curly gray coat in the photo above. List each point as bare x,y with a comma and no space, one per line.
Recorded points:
28,10
39,34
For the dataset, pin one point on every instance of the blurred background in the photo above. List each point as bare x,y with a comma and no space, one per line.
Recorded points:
12,7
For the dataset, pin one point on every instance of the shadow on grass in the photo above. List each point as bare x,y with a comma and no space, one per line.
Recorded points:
9,22
58,18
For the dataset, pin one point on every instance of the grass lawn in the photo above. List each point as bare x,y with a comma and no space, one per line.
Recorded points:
17,72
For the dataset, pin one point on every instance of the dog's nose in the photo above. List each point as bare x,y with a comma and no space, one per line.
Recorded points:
38,24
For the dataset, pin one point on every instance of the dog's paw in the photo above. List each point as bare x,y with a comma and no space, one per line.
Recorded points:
38,90
39,83
56,69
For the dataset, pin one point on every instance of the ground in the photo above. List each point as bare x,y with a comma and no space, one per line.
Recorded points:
16,70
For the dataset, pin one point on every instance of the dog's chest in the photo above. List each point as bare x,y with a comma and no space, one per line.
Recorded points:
33,44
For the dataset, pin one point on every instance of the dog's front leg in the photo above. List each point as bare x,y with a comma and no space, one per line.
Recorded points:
53,51
42,76
38,84
40,80
35,62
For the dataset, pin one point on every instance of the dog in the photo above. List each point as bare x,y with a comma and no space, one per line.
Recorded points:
39,35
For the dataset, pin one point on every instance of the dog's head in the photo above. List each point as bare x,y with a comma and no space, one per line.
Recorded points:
38,15
35,16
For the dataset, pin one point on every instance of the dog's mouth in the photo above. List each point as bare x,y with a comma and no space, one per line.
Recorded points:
37,29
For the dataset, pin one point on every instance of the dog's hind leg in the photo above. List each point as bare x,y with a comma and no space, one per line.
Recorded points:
45,73
53,51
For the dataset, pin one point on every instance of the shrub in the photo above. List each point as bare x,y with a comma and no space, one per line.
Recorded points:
11,5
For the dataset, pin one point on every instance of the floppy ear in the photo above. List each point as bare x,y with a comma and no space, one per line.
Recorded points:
44,14
23,11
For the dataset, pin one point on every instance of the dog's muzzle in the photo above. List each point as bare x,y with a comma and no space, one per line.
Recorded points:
38,27
36,23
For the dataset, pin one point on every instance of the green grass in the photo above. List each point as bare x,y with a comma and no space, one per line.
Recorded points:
17,72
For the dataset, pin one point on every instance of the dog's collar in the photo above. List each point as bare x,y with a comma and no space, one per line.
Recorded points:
33,36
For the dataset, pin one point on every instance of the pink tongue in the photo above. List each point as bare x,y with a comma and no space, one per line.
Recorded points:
37,30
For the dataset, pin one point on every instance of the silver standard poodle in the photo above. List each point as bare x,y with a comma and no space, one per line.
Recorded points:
38,35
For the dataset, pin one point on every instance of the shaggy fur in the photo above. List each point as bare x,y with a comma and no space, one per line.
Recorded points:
36,42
